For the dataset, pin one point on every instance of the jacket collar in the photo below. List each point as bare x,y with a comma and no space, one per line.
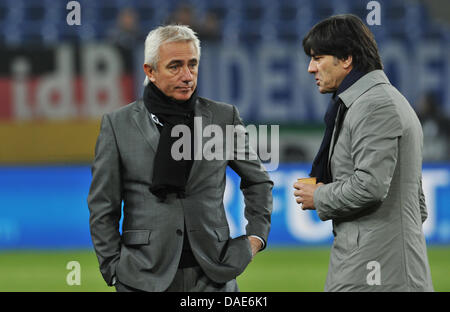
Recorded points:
149,131
365,83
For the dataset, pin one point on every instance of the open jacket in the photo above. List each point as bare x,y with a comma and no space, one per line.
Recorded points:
146,255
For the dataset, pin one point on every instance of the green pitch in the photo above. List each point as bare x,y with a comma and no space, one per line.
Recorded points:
281,270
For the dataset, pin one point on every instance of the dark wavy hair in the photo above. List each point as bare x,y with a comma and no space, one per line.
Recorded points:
341,36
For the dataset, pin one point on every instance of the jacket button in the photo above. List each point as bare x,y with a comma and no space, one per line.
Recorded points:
179,232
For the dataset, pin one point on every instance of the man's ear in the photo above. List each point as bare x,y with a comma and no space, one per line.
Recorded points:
149,72
348,62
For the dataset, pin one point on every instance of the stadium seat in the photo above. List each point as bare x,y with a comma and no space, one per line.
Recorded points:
293,19
245,20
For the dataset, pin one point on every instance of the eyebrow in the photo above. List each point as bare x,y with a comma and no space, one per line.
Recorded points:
181,62
314,54
174,62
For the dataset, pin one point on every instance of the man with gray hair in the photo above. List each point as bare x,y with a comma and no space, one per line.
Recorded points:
175,235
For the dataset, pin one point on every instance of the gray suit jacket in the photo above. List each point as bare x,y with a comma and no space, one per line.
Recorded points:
147,254
376,200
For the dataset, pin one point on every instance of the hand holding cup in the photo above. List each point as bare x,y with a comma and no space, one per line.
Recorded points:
304,192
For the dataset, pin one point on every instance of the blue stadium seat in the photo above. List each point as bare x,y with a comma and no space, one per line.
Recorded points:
247,20
68,35
223,10
293,19
417,22
12,12
322,9
228,16
256,21
32,33
12,35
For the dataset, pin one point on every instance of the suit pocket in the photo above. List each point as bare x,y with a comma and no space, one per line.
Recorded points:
353,239
222,233
347,239
136,237
237,254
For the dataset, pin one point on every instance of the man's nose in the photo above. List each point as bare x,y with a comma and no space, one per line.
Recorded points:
312,68
186,74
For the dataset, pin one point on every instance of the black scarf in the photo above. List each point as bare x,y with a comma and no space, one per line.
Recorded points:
320,168
169,175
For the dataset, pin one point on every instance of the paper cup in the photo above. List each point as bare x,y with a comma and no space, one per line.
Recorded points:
307,180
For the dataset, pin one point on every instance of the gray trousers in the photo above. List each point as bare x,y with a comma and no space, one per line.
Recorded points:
190,280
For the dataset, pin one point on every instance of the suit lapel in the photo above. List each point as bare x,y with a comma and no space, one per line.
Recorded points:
201,110
147,128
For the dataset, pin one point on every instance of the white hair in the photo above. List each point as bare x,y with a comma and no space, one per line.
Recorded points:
166,34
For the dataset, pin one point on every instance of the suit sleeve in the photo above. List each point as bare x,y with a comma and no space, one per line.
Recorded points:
374,149
255,184
104,201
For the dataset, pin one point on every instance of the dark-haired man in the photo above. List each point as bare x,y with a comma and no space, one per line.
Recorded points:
368,168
